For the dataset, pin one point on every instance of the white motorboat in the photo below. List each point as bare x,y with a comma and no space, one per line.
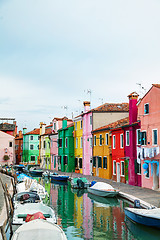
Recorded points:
21,211
39,229
103,189
26,197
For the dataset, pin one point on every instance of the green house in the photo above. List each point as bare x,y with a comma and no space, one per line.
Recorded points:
66,147
31,146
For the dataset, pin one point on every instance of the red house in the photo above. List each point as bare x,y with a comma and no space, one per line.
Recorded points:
19,147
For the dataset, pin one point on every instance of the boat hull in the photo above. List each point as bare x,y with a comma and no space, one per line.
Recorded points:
59,178
144,220
102,193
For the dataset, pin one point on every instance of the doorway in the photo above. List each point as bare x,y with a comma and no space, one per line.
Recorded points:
118,172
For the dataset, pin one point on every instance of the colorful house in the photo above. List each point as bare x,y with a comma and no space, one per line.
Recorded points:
149,137
19,147
31,146
7,149
66,147
78,143
95,118
56,125
10,128
102,152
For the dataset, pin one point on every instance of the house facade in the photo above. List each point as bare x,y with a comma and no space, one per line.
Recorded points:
19,147
31,146
7,149
66,147
95,118
78,143
149,140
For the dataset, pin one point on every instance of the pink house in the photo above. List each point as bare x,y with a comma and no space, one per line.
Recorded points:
149,137
7,149
56,125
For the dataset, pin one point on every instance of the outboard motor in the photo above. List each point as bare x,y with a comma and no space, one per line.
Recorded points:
137,204
80,183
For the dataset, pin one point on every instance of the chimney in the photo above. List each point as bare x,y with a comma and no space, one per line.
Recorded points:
24,130
20,134
133,107
42,128
86,106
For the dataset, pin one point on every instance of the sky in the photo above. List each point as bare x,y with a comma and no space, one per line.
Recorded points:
56,54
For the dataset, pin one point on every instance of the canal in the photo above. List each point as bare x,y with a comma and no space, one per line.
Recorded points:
85,216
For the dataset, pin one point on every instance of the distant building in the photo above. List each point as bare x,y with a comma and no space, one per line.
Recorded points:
10,128
19,147
7,149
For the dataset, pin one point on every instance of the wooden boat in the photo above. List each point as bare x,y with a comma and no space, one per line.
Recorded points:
39,229
58,177
103,189
21,211
26,197
147,217
80,182
35,172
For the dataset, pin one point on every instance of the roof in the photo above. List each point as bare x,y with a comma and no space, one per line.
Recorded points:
70,125
112,107
117,124
153,85
48,131
36,131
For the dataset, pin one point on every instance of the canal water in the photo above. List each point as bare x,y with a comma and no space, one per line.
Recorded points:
85,216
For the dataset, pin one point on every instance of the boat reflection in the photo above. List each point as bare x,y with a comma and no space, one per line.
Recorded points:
141,232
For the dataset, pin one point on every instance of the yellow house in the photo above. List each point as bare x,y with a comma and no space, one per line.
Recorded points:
102,152
78,143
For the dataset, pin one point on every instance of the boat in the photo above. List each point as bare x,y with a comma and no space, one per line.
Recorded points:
31,185
22,176
26,197
103,189
35,172
22,210
147,217
58,177
80,182
39,229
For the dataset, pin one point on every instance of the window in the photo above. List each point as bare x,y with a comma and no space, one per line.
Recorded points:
114,167
80,162
100,139
138,136
137,167
75,125
107,139
81,124
65,160
99,162
146,108
94,161
66,142
76,142
105,162
54,126
122,168
127,138
10,144
38,147
81,142
31,147
154,137
33,158
143,138
31,137
147,171
44,144
90,120
94,140
60,142
54,161
114,141
121,140
90,142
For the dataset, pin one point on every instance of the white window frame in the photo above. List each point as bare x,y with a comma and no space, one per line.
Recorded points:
95,139
144,108
145,139
114,167
138,142
81,124
107,139
121,169
121,140
76,142
114,141
31,138
100,139
66,142
30,146
103,162
127,139
81,142
154,144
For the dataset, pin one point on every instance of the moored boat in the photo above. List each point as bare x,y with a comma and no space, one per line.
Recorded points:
35,172
58,177
80,182
147,217
39,229
26,197
103,189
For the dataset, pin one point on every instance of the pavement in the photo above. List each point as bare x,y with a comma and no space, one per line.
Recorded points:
148,197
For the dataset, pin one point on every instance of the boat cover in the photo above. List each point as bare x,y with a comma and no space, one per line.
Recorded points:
37,215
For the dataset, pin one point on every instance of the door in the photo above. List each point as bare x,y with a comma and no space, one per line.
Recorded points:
118,172
97,169
155,177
